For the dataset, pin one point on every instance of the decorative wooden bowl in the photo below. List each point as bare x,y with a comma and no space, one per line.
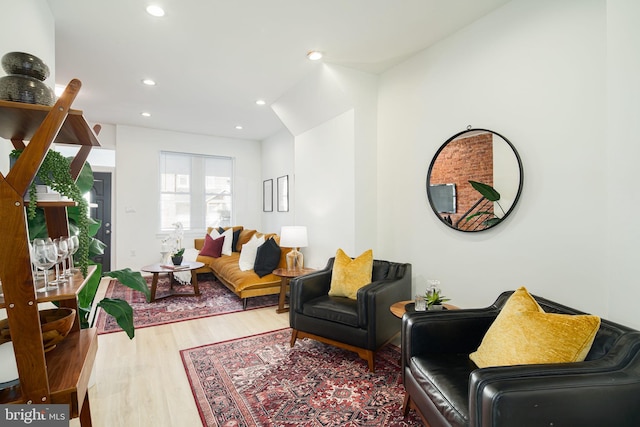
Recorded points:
55,323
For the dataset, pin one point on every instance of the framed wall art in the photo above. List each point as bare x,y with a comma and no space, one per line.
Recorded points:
267,195
283,193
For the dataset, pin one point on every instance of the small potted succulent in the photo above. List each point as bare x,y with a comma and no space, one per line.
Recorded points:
176,256
434,298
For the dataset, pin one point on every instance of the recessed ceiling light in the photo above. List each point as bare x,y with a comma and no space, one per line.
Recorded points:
155,10
239,127
149,82
261,102
145,114
314,55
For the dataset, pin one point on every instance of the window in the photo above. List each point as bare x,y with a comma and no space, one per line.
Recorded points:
195,190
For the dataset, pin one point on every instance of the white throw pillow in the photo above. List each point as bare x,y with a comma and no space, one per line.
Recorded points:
248,253
227,248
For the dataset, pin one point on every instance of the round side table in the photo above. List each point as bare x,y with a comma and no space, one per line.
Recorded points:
286,276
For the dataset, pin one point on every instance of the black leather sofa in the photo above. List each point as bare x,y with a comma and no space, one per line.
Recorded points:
447,389
363,325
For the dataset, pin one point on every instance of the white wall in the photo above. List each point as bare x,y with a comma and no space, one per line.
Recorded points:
332,114
137,239
536,73
277,161
623,152
325,188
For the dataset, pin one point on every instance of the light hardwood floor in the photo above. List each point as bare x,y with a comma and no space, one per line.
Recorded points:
142,382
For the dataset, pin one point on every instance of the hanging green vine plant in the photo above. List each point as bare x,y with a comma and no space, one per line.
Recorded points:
55,172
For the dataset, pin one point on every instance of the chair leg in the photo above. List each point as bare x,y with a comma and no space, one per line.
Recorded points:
406,404
370,357
294,337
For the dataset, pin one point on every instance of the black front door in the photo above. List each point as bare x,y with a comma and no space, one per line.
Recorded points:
101,210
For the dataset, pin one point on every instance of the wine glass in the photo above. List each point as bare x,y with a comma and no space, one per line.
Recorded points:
38,241
62,250
74,245
44,256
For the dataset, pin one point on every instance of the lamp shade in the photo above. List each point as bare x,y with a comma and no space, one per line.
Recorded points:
294,236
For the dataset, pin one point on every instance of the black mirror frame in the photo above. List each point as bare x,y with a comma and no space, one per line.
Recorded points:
515,200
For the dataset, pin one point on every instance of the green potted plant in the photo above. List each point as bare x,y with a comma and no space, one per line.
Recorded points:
435,299
176,256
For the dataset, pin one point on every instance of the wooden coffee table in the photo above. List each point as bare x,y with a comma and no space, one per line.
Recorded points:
286,276
156,269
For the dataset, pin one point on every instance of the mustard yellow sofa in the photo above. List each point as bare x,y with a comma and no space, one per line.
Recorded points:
245,284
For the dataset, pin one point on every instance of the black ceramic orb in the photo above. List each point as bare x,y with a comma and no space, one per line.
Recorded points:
25,89
25,64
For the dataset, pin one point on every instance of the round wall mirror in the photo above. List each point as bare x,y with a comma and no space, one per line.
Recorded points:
474,180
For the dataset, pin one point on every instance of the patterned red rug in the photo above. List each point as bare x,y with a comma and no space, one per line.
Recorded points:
215,299
262,381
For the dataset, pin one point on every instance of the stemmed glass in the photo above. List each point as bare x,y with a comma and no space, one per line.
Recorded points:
74,245
62,249
44,256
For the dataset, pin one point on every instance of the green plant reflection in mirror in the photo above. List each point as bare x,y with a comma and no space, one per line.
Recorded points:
474,180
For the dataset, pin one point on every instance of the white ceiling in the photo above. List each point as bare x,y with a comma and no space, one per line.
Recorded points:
212,59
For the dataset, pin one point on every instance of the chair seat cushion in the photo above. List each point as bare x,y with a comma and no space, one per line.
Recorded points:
334,309
445,379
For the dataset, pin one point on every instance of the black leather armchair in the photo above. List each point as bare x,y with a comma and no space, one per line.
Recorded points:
363,325
447,389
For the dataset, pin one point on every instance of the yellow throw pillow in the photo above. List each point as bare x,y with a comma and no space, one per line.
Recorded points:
349,275
524,334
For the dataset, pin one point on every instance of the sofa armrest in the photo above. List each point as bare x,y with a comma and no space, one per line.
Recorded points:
310,286
198,243
450,331
599,392
380,296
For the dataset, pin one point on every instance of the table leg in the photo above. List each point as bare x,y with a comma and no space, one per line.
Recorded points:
194,282
154,285
283,294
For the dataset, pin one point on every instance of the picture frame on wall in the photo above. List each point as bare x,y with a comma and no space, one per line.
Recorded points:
283,193
267,195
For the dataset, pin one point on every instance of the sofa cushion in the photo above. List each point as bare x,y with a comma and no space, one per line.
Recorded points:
248,254
349,275
228,239
523,334
267,258
244,237
445,380
226,268
235,234
212,247
335,309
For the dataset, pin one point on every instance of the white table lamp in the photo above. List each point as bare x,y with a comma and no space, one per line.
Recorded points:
295,237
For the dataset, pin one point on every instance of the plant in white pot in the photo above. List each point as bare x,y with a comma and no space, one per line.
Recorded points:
435,299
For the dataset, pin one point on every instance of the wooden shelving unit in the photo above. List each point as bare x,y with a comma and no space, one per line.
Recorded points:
61,375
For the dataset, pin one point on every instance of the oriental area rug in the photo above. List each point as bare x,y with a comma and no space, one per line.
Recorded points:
214,299
261,381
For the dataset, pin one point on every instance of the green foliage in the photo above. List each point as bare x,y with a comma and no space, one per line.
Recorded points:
121,311
87,294
491,194
487,191
433,297
132,279
178,252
